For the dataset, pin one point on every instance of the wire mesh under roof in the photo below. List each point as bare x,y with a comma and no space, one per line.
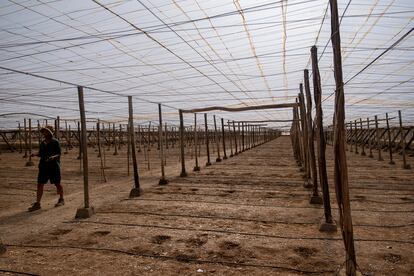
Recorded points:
192,53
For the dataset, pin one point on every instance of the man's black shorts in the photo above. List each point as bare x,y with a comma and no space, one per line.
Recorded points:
49,171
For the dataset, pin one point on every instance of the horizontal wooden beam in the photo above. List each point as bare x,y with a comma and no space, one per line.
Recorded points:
238,109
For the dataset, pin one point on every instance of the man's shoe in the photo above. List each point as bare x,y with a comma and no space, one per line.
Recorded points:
60,202
34,207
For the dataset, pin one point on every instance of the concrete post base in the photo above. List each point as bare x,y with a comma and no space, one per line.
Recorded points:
327,227
196,168
163,181
307,185
316,199
208,164
218,159
135,192
183,174
342,272
83,213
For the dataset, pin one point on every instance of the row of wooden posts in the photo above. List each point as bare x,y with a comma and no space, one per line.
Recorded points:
238,135
359,134
366,135
303,132
233,138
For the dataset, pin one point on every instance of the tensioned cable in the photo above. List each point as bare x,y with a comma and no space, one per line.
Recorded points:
194,49
160,44
375,59
76,85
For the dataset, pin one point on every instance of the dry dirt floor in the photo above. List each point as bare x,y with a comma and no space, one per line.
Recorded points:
247,215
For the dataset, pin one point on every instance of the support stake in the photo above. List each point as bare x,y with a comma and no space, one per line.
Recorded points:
87,211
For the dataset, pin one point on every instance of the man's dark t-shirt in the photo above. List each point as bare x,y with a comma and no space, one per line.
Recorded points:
49,170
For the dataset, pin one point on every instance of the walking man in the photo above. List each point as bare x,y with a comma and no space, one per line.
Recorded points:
49,167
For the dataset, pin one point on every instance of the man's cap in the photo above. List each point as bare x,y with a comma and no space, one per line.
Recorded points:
48,129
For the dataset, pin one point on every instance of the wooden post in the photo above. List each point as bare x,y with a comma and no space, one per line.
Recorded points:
166,143
405,165
183,172
30,163
235,139
196,167
149,147
341,167
114,139
230,139
378,139
207,140
39,138
242,133
351,136
305,139
249,136
369,140
80,148
69,138
108,135
328,225
389,140
98,137
223,136
315,198
216,138
297,139
149,137
120,137
128,147
57,130
103,152
139,137
66,136
87,210
20,139
362,141
98,130
163,180
25,139
136,190
356,137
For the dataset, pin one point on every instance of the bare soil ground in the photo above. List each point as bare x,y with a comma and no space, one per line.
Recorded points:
246,215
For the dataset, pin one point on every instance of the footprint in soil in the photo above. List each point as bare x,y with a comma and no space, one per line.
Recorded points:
305,251
100,233
195,242
228,245
405,198
160,239
392,258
